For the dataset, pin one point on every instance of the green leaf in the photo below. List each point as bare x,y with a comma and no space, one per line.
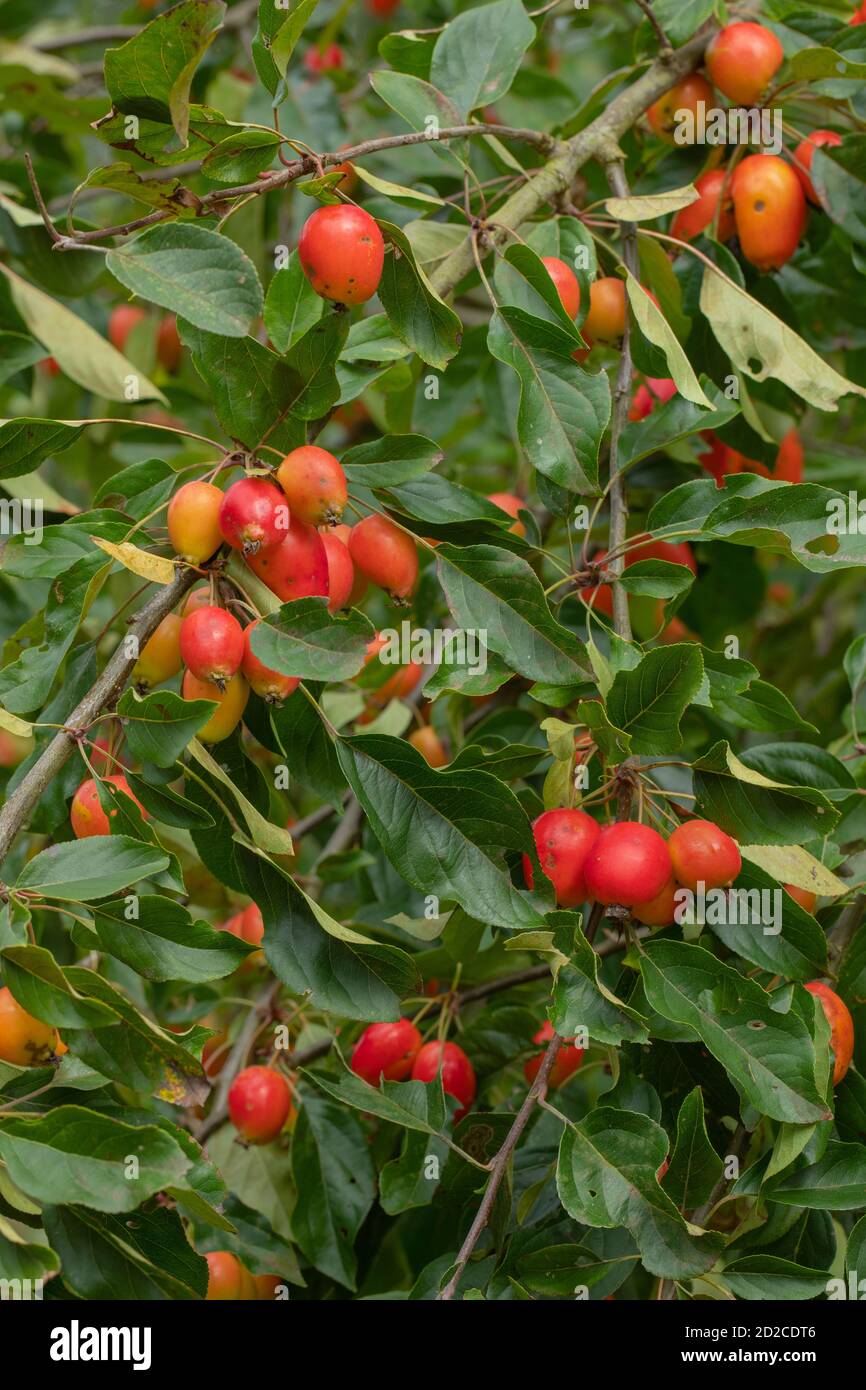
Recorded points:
162,942
673,421
795,947
416,101
478,53
160,725
196,273
75,1155
25,442
768,1277
291,306
330,1158
26,682
445,832
307,949
151,74
756,809
250,387
143,1260
835,1183
84,870
240,158
648,702
681,18
564,410
760,345
769,1056
496,594
418,316
581,1000
391,460
415,1105
41,987
695,1167
606,1177
304,640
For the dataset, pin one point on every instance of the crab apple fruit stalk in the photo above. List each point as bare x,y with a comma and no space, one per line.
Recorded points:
123,319
259,1102
841,1026
193,521
314,484
698,216
458,1076
770,208
253,515
231,703
666,115
386,555
341,572
566,282
25,1041
563,839
605,322
342,253
804,154
297,567
743,59
568,1058
628,863
86,814
212,644
160,659
701,852
272,686
386,1050
507,502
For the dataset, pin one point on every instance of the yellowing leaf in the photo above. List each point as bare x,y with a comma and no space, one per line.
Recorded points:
655,327
762,346
154,568
13,725
79,351
793,864
651,205
273,839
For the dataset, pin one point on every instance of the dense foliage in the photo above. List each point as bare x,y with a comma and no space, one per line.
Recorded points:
432,685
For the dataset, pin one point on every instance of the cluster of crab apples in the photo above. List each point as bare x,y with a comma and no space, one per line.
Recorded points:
762,199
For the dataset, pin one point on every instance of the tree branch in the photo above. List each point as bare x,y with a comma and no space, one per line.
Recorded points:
214,203
621,393
108,686
536,1092
597,140
664,41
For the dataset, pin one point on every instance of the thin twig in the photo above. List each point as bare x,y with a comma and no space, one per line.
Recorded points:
621,394
664,41
536,1092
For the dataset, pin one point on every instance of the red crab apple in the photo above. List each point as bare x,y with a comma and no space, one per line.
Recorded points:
259,1103
386,1050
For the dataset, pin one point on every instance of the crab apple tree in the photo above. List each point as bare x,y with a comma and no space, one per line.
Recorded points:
433,677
